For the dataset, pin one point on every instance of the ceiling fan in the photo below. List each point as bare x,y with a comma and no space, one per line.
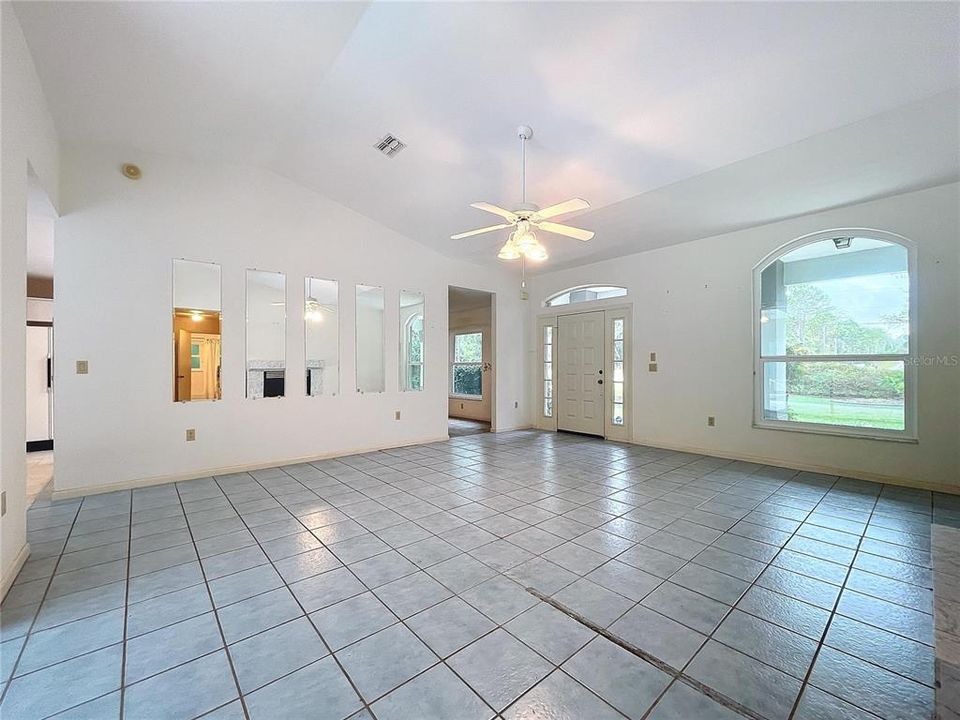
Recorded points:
527,216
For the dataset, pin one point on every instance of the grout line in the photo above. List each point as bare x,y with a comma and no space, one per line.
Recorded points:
36,613
216,615
286,585
126,610
664,667
833,613
436,461
733,606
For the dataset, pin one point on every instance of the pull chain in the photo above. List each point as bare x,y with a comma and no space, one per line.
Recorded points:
523,278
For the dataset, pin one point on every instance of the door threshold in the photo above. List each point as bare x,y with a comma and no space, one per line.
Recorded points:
583,434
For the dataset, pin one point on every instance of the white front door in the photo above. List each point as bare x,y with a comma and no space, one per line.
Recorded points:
580,372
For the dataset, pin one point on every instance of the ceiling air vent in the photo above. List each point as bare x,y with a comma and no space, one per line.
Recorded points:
390,145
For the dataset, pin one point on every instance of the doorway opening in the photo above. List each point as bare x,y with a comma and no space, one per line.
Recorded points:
470,407
41,218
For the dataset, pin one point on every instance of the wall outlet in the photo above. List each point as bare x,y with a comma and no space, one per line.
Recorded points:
83,367
3,503
396,415
653,357
516,404
461,406
711,421
191,434
652,367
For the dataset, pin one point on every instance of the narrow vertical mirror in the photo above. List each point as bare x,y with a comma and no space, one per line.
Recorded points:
411,340
266,334
196,331
370,359
321,327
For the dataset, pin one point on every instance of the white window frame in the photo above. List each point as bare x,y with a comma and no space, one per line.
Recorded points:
454,363
406,364
544,421
612,431
910,375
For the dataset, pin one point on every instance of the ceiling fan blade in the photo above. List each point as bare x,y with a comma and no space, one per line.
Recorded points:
566,230
563,208
480,231
488,207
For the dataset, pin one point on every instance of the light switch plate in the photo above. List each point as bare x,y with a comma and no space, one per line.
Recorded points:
191,434
652,367
83,367
653,357
711,421
396,415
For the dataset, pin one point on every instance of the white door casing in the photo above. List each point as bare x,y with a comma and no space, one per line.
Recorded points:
580,395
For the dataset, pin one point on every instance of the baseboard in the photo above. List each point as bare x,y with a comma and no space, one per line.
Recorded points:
8,579
67,493
807,467
512,428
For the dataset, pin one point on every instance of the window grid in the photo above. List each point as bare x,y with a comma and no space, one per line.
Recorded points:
414,352
616,417
467,366
548,371
834,351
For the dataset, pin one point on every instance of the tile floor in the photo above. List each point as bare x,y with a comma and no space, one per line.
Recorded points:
39,475
457,427
393,585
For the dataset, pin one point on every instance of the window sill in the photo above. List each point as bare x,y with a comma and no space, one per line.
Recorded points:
454,396
838,431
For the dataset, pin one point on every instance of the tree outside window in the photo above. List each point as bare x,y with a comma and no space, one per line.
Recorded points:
467,365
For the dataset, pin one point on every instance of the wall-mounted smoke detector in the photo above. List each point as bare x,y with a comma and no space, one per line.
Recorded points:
390,145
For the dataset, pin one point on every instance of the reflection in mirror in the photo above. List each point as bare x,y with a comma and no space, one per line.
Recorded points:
370,360
411,340
266,334
321,323
196,331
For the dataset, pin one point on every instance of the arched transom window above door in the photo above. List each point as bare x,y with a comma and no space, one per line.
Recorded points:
585,293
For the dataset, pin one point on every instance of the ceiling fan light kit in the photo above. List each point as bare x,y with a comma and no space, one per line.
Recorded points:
522,242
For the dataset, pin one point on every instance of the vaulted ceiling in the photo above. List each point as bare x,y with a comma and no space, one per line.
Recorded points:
675,120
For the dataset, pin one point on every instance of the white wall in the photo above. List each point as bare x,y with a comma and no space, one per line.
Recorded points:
28,137
115,242
692,305
464,321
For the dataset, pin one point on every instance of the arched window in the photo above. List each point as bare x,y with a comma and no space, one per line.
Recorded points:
834,327
585,293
